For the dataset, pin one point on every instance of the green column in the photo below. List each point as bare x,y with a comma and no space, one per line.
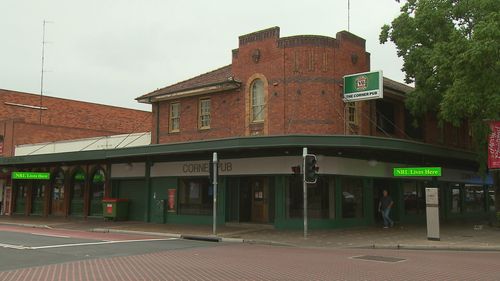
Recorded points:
279,201
368,200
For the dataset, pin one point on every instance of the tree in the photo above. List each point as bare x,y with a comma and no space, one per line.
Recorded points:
451,50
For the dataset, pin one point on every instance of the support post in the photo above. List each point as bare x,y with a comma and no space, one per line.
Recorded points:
214,183
304,187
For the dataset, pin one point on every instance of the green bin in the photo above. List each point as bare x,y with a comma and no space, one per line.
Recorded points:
115,208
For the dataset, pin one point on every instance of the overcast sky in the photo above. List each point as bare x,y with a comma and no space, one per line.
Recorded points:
111,52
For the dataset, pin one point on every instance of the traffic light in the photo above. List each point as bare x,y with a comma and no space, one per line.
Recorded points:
310,168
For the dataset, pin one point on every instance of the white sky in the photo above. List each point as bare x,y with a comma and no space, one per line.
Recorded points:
111,52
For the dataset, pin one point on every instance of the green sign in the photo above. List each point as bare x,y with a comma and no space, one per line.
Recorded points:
30,176
417,172
363,86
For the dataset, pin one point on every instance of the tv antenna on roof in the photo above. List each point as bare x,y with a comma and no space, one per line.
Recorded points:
349,15
43,65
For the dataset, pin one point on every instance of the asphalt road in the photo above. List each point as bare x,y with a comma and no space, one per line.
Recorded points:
35,254
27,247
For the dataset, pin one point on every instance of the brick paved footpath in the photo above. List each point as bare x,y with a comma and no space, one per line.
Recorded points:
258,262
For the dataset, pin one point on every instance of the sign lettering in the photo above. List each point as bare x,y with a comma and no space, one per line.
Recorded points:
417,172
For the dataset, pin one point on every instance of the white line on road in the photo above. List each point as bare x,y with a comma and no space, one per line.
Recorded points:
99,243
51,235
18,247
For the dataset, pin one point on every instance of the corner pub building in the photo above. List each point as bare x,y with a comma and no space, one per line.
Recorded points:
278,95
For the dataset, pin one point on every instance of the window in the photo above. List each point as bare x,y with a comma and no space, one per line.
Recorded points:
204,114
413,126
320,198
175,117
352,198
97,192
456,205
491,197
351,113
385,116
195,196
258,103
58,187
414,197
474,198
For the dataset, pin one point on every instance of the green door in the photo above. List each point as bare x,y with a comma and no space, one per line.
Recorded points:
136,192
159,198
20,193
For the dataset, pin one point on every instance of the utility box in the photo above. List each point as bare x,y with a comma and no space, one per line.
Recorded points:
432,213
115,208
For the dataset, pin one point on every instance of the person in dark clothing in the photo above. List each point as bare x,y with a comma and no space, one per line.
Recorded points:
384,206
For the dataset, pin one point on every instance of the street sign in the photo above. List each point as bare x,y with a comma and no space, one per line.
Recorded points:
363,86
417,172
30,176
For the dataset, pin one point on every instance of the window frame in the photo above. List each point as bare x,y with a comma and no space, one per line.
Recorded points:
201,113
171,119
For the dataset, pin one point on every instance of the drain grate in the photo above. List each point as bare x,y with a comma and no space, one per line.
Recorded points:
379,258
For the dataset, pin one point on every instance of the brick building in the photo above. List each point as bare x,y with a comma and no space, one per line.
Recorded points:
23,120
278,95
27,118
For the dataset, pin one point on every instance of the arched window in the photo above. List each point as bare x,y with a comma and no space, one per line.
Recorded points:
77,192
258,101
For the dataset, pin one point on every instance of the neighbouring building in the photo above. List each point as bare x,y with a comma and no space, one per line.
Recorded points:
27,118
278,95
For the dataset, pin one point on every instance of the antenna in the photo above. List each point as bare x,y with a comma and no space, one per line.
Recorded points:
349,15
43,65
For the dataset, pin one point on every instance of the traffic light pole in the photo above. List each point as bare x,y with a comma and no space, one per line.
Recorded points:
304,186
214,183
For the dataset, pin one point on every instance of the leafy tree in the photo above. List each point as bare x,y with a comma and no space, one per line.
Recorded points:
451,50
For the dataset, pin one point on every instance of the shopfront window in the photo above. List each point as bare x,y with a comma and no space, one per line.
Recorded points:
195,196
491,197
78,184
456,202
320,198
352,197
414,197
97,192
474,198
58,187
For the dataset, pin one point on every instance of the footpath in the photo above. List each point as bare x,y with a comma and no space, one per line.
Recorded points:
464,236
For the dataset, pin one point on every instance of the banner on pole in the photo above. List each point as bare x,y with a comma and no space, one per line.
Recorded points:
494,146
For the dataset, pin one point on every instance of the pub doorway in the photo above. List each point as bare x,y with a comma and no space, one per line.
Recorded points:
256,200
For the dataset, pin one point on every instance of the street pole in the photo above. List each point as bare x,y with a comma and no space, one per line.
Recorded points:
214,183
304,186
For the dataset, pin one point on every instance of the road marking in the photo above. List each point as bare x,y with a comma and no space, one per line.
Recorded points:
51,235
99,243
18,247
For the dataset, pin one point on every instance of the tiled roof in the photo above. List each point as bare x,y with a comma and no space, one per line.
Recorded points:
219,75
400,87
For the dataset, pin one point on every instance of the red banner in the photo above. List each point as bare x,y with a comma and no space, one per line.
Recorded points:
494,146
171,200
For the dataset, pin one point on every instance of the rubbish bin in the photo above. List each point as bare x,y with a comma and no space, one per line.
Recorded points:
115,208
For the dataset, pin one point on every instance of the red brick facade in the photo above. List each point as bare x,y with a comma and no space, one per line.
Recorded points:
61,119
302,78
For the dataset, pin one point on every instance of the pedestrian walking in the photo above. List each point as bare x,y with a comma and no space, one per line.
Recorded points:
384,207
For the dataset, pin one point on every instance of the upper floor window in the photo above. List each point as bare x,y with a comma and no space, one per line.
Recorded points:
258,103
175,117
351,113
385,116
204,114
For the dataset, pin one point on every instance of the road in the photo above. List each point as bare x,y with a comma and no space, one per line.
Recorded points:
47,254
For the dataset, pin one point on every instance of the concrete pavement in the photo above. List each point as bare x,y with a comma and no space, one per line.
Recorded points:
463,236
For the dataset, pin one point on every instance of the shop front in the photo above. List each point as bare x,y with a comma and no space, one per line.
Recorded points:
170,183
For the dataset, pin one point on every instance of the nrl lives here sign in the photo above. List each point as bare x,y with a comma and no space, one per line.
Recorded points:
363,86
417,172
30,176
